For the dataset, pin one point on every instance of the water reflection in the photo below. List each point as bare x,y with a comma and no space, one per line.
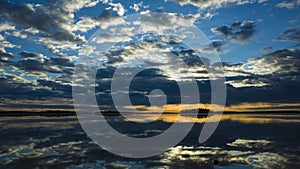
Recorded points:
241,141
242,118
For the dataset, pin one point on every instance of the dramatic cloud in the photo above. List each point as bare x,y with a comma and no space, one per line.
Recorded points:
279,68
34,65
272,75
278,62
39,44
237,32
14,87
46,20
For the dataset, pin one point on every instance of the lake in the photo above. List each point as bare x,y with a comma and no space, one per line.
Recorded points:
241,141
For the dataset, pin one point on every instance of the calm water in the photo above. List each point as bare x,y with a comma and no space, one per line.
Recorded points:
240,142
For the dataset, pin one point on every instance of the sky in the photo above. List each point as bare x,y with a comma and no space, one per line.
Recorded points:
258,42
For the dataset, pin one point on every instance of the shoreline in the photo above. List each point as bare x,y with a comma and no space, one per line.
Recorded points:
115,113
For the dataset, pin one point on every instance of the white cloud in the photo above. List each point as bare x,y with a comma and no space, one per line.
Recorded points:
104,38
31,31
58,47
19,34
88,23
290,4
84,25
6,26
207,8
247,83
7,44
138,6
118,7
249,143
277,62
75,5
204,4
159,22
280,65
203,155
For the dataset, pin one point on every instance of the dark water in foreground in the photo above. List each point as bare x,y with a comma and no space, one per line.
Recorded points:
240,142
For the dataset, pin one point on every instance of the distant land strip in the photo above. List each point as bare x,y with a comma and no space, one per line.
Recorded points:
54,113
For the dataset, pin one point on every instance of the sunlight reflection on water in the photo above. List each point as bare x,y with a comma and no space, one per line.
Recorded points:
241,141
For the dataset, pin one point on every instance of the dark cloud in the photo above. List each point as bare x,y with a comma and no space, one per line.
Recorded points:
290,35
108,17
280,71
215,46
62,62
13,87
30,55
4,56
275,75
285,61
277,64
238,31
63,89
194,60
47,20
38,63
32,65
267,49
16,85
26,16
218,44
